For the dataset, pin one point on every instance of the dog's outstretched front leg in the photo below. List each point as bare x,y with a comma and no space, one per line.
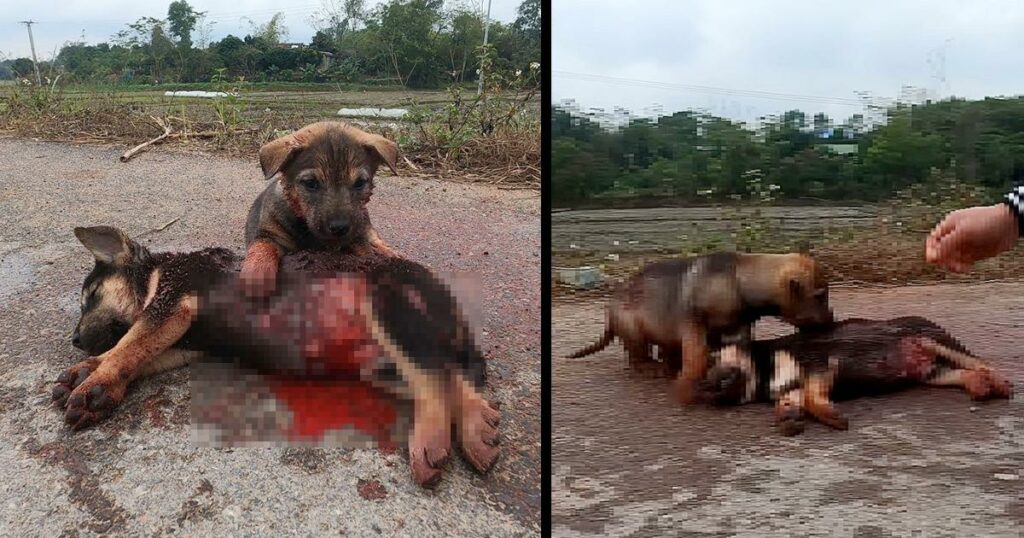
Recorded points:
92,389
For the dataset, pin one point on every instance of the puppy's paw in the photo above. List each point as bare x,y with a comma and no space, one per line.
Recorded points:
258,280
92,401
478,433
429,450
71,378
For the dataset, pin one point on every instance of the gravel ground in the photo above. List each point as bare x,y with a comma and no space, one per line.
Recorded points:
138,474
626,461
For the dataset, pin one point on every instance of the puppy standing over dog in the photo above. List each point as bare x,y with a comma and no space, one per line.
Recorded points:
321,180
689,304
806,371
137,305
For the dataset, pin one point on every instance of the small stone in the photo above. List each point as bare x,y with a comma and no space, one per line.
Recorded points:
973,408
371,490
1005,476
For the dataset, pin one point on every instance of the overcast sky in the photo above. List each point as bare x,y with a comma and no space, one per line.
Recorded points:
97,20
814,48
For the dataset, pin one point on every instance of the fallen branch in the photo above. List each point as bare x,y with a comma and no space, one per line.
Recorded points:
160,229
408,162
132,152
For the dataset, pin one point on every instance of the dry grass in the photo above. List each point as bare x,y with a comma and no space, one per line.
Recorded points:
507,157
866,257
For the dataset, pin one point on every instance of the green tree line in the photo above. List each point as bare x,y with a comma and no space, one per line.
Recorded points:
415,43
691,156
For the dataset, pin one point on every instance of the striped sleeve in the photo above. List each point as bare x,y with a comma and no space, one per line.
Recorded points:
1015,199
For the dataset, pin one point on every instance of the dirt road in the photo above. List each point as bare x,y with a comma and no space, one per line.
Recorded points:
138,474
926,462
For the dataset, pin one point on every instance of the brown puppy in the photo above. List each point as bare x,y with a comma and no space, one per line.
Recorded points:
803,373
322,178
693,303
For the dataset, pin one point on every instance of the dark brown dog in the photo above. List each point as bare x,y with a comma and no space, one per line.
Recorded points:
145,312
686,305
321,180
806,371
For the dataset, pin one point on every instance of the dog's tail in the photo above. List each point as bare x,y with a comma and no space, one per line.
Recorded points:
606,339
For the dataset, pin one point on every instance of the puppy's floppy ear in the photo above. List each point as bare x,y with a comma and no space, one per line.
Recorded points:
274,155
384,149
109,245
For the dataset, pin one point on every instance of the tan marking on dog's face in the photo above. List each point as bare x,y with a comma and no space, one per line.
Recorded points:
154,280
116,294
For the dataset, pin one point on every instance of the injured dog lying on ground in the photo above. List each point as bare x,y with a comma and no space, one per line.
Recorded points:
343,331
803,373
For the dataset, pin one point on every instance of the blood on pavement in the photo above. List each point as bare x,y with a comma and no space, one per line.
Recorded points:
339,341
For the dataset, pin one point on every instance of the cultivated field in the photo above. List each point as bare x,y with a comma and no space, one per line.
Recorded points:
859,245
452,133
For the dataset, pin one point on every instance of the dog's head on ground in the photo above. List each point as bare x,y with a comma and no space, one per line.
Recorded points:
805,292
114,291
724,385
326,172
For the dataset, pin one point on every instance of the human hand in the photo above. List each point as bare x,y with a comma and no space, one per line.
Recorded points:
969,235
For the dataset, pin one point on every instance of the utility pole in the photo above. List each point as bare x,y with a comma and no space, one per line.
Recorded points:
32,43
487,26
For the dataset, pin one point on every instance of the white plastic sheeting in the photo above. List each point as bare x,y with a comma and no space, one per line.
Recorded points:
373,112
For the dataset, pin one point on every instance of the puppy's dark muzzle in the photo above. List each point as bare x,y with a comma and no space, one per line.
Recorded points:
76,339
338,227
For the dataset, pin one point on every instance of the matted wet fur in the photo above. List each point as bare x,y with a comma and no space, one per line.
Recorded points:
805,372
321,179
686,306
138,305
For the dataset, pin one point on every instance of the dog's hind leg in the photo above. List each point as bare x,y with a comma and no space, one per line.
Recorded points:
103,389
963,360
430,439
979,384
477,425
816,398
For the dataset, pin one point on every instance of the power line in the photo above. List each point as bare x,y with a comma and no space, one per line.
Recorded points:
841,101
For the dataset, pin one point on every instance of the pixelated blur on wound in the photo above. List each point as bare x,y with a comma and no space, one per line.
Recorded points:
314,351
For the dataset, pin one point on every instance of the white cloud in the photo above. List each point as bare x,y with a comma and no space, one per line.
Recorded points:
813,48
